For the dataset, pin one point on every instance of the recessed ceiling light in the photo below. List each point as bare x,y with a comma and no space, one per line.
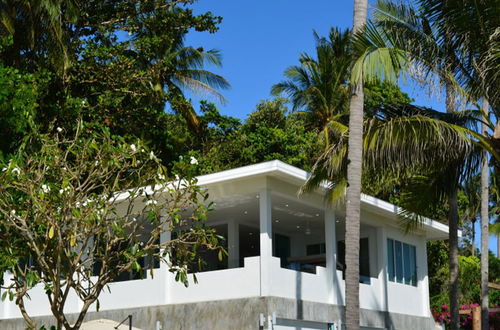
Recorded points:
276,221
257,196
250,234
286,205
337,221
246,212
298,227
317,214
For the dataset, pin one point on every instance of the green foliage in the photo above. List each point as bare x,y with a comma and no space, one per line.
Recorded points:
117,63
269,133
470,276
382,94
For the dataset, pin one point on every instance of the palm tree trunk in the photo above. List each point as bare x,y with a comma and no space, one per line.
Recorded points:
485,221
353,198
453,233
453,260
473,245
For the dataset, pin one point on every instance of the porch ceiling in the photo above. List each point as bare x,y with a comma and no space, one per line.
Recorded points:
288,215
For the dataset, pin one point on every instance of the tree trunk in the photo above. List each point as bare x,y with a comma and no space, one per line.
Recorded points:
485,221
353,198
453,233
453,260
473,244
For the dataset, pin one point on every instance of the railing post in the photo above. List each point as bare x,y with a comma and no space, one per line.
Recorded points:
476,318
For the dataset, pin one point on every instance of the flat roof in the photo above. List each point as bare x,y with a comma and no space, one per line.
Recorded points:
435,230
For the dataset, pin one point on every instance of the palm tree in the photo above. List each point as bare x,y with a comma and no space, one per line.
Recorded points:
472,189
179,69
485,222
425,39
183,69
318,87
353,194
38,30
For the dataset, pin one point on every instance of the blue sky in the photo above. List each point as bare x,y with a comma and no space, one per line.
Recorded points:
259,39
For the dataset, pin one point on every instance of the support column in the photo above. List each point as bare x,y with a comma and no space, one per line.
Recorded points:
331,256
168,276
382,267
233,244
422,275
266,241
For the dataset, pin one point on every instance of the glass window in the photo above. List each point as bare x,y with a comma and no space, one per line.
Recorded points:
413,265
401,262
406,263
364,260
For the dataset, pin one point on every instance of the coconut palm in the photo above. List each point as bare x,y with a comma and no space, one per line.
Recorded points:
472,190
183,70
485,222
424,38
38,30
318,87
179,68
353,194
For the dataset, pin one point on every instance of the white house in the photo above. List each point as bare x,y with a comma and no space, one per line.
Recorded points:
284,269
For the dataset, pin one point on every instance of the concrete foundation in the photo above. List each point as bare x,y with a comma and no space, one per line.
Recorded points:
241,314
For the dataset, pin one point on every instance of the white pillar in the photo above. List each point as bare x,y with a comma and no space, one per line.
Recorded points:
233,243
422,275
331,255
266,241
382,267
168,276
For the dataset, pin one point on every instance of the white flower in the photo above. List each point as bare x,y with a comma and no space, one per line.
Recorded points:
151,202
59,129
77,204
64,168
4,169
193,161
177,177
13,212
61,191
161,176
133,147
45,188
16,170
96,163
152,155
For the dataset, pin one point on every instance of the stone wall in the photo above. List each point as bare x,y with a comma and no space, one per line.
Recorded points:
238,314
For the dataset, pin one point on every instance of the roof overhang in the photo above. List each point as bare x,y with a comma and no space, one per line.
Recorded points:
434,230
